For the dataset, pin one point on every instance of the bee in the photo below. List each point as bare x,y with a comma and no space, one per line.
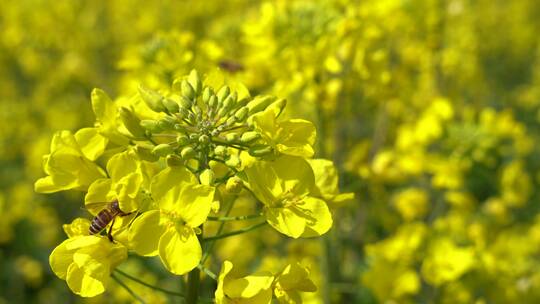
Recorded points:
104,217
231,66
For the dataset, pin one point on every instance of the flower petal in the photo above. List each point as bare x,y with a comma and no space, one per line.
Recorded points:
179,249
83,284
145,232
169,178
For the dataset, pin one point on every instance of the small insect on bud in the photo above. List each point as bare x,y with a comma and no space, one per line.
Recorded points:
260,150
162,150
151,125
171,105
152,99
195,81
207,177
187,90
249,137
187,153
146,154
223,93
174,160
182,140
234,185
131,122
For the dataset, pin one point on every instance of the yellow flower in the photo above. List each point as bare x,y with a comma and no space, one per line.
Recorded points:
67,166
125,182
411,203
86,262
284,186
253,289
446,262
292,137
290,282
170,232
326,182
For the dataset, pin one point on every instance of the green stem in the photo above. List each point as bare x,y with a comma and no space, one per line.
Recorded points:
234,218
210,246
194,280
208,272
133,294
174,293
232,233
193,286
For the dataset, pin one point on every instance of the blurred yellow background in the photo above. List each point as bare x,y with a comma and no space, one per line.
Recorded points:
429,108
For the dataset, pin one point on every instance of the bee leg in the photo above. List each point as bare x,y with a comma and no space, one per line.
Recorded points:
109,232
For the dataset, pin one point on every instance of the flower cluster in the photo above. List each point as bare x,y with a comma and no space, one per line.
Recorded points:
170,159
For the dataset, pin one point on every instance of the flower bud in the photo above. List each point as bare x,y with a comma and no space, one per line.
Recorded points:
280,105
220,150
187,153
207,177
152,99
151,125
230,121
162,150
182,140
179,127
187,90
131,122
167,123
185,102
234,185
174,160
241,114
145,154
259,103
195,81
170,105
232,137
223,93
233,161
207,93
213,101
228,103
249,136
204,139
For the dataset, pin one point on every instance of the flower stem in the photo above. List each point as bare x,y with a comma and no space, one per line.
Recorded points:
228,234
193,286
208,248
234,218
133,294
194,280
208,272
174,293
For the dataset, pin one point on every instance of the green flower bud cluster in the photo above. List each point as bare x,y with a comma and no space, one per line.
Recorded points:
202,123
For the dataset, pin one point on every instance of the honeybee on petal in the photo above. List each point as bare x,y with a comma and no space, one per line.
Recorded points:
106,216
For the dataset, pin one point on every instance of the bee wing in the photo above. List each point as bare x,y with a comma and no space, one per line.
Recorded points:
96,207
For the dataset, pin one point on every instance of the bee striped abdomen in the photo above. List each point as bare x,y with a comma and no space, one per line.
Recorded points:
100,221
